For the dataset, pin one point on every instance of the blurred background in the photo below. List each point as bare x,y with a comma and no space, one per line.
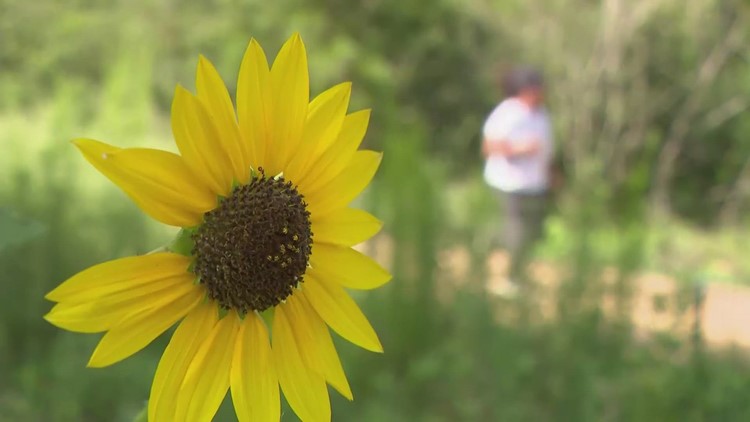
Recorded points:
642,311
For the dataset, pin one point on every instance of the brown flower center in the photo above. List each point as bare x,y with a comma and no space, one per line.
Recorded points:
253,249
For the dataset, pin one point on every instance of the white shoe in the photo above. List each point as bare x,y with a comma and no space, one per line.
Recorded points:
505,288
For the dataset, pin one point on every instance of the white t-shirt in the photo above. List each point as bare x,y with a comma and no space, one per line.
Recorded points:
515,122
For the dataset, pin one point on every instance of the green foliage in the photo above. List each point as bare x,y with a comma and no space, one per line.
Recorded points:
16,230
655,108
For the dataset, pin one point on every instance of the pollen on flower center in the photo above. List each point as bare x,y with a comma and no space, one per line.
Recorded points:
253,249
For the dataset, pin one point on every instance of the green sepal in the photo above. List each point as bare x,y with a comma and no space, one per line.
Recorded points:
191,268
267,316
183,243
223,312
142,416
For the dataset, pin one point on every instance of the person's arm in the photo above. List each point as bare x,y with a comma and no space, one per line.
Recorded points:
509,149
492,147
497,129
529,147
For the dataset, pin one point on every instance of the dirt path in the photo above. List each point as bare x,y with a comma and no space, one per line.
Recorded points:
726,316
660,304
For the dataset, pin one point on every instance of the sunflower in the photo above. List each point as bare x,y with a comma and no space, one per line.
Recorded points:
260,267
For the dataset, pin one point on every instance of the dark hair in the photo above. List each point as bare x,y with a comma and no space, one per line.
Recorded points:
522,78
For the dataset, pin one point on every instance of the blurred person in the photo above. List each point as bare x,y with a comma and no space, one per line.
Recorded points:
518,148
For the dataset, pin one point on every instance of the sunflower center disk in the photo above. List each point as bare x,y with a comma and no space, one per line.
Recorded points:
253,249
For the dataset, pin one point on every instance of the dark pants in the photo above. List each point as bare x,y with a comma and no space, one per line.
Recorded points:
524,226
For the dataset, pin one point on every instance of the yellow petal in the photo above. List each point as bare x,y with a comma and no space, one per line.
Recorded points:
335,159
304,333
183,346
255,386
339,192
207,378
328,363
255,103
341,313
325,117
305,390
334,372
199,142
345,227
103,313
291,93
84,317
120,274
137,330
158,181
214,95
347,267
